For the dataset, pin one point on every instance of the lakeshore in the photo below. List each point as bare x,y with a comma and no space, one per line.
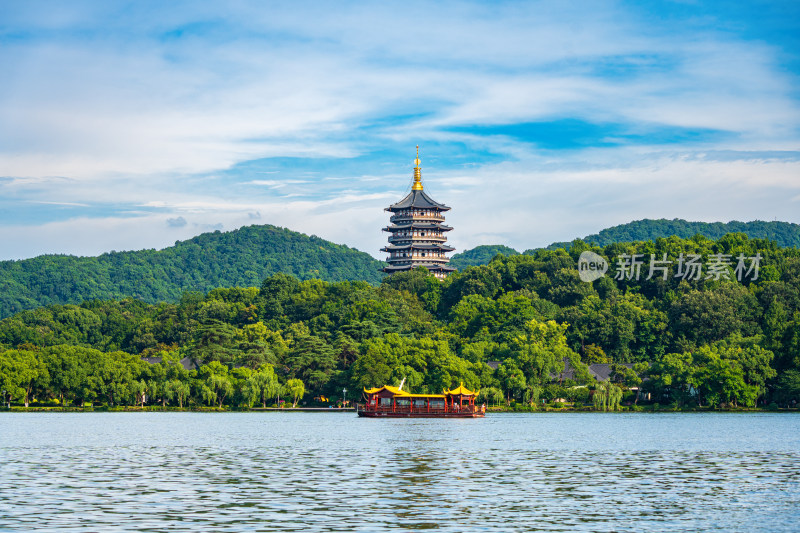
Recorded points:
489,410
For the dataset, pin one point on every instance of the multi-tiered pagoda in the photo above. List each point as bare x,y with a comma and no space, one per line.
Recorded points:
417,232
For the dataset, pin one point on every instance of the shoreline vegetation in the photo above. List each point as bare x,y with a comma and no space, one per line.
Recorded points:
524,330
565,408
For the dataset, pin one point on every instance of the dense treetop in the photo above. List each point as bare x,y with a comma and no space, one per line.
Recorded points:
480,255
694,341
784,234
241,257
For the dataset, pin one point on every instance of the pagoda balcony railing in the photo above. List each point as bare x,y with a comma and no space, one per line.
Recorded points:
419,259
417,238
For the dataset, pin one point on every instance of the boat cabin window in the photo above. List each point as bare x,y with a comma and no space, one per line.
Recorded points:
403,402
386,401
437,404
419,403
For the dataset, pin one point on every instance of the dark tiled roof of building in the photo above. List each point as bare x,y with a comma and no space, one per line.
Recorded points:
599,371
190,364
187,362
417,199
429,266
602,371
418,225
394,247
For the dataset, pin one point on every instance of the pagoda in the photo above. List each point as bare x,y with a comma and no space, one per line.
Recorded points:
418,232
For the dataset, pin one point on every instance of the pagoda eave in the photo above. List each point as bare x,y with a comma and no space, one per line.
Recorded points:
425,247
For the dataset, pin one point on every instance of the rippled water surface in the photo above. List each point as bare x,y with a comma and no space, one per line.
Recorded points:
336,472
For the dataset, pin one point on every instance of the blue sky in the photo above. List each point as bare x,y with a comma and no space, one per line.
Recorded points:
133,125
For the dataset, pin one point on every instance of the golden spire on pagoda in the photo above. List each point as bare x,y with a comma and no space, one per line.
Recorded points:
417,174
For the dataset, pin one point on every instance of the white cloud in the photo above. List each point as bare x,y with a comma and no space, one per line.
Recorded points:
106,108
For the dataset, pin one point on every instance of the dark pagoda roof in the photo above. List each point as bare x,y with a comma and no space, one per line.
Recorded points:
417,199
394,248
418,225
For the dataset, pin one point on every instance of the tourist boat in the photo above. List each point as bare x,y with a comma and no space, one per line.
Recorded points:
394,402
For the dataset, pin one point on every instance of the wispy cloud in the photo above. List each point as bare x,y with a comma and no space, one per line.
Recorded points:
538,122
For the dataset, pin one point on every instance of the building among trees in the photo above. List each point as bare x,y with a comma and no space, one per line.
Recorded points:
418,232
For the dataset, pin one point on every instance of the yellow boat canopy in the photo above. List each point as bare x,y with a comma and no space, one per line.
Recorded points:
460,390
393,390
399,392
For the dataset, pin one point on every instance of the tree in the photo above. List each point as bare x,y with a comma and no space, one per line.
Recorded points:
755,362
312,360
541,351
295,389
249,392
787,389
628,377
512,379
594,354
607,396
703,317
346,347
114,374
264,384
139,390
179,390
418,282
208,394
222,387
721,380
534,393
276,293
216,382
673,376
216,341
19,372
490,395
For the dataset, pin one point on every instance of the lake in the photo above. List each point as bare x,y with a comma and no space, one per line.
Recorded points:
82,472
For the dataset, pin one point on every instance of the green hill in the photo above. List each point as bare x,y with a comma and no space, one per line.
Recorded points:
698,342
243,257
246,256
786,234
480,255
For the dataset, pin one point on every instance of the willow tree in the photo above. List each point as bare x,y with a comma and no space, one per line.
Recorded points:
295,389
607,396
178,390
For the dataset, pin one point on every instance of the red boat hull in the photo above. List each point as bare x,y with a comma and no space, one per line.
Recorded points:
404,413
421,415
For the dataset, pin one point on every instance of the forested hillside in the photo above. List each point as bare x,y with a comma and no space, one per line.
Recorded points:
480,255
246,256
727,336
242,257
785,234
